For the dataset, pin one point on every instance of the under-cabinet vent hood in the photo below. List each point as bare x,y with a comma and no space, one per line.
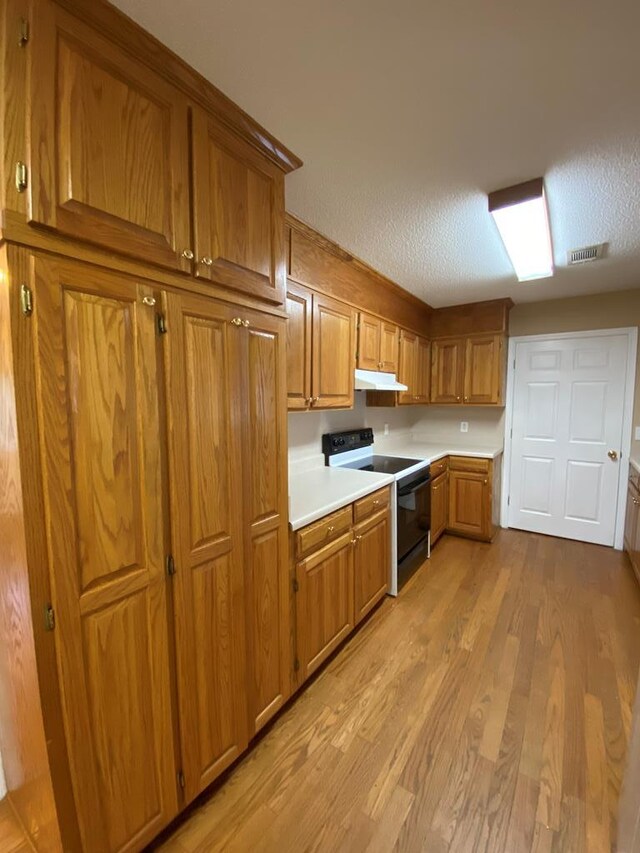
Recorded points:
371,380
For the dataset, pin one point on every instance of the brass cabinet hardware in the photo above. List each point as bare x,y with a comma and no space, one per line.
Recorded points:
49,618
23,32
613,455
354,541
375,503
149,300
22,176
330,529
358,538
236,321
246,324
486,482
188,254
208,262
26,300
458,398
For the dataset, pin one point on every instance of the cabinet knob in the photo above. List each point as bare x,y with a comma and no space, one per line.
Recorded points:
149,300
358,538
330,529
465,399
458,398
188,254
375,503
486,482
315,400
246,324
380,365
208,262
353,541
236,321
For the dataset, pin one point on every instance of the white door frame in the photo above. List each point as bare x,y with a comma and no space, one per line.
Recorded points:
627,418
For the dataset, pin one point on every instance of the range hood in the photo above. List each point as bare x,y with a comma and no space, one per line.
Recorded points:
371,380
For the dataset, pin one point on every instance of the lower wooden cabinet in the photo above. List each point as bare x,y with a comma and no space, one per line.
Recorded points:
632,524
340,582
155,491
372,562
470,497
439,506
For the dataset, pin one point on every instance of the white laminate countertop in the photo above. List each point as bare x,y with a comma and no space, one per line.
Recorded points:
318,491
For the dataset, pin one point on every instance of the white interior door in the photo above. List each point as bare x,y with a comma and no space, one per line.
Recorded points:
568,410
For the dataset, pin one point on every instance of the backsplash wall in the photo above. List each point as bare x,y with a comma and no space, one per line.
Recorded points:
427,423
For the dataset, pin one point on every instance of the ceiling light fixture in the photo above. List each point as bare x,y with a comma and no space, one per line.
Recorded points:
521,214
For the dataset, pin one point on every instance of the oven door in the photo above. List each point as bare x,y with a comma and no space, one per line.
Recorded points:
414,511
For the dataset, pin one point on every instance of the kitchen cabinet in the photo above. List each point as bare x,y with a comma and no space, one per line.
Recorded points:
341,567
372,554
377,344
632,524
414,371
322,334
122,158
101,445
470,497
439,506
238,213
324,603
109,144
468,370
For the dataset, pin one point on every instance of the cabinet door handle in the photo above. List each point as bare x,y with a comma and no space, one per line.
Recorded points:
330,529
354,541
375,503
458,398
246,323
188,254
236,321
208,262
486,482
315,400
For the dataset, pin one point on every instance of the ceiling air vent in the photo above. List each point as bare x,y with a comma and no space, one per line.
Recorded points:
586,254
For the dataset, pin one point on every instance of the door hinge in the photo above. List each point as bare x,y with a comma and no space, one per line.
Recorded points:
296,585
22,176
509,501
296,665
26,300
23,32
49,618
171,565
181,781
162,324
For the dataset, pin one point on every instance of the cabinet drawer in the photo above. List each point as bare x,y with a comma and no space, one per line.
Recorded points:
468,463
372,503
439,467
321,532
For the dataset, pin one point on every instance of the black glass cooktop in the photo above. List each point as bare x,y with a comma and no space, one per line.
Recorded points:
382,464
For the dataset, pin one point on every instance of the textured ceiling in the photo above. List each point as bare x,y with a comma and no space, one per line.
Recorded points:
407,112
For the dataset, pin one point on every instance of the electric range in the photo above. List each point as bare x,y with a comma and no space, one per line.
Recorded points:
411,509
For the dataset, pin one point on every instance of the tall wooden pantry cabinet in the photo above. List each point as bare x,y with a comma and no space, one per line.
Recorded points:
144,591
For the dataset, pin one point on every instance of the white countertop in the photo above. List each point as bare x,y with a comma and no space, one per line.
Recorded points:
315,492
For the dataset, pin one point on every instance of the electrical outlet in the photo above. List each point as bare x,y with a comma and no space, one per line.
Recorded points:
464,426
386,429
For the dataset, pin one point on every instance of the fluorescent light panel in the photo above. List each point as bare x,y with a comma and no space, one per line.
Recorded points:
522,218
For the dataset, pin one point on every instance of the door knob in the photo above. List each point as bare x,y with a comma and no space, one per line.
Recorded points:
613,454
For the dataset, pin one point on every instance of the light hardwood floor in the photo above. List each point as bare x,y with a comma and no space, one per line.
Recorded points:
488,708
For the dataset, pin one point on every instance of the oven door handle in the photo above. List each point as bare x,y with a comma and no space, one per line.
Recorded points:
409,490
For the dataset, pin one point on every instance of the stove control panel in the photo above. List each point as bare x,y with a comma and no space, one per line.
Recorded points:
339,442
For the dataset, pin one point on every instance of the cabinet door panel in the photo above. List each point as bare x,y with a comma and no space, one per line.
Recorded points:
298,347
239,213
469,504
389,344
439,506
264,458
372,562
333,363
324,603
369,331
423,389
99,373
109,145
447,371
204,370
483,370
408,367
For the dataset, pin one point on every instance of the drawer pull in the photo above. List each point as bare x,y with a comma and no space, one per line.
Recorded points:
375,503
330,529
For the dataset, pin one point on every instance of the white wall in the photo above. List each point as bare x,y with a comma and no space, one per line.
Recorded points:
428,423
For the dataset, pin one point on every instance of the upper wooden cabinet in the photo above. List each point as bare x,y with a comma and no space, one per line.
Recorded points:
484,369
414,371
108,138
238,213
377,344
321,355
125,157
447,370
408,367
468,370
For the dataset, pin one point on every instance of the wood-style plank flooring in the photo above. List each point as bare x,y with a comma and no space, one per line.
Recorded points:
486,709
